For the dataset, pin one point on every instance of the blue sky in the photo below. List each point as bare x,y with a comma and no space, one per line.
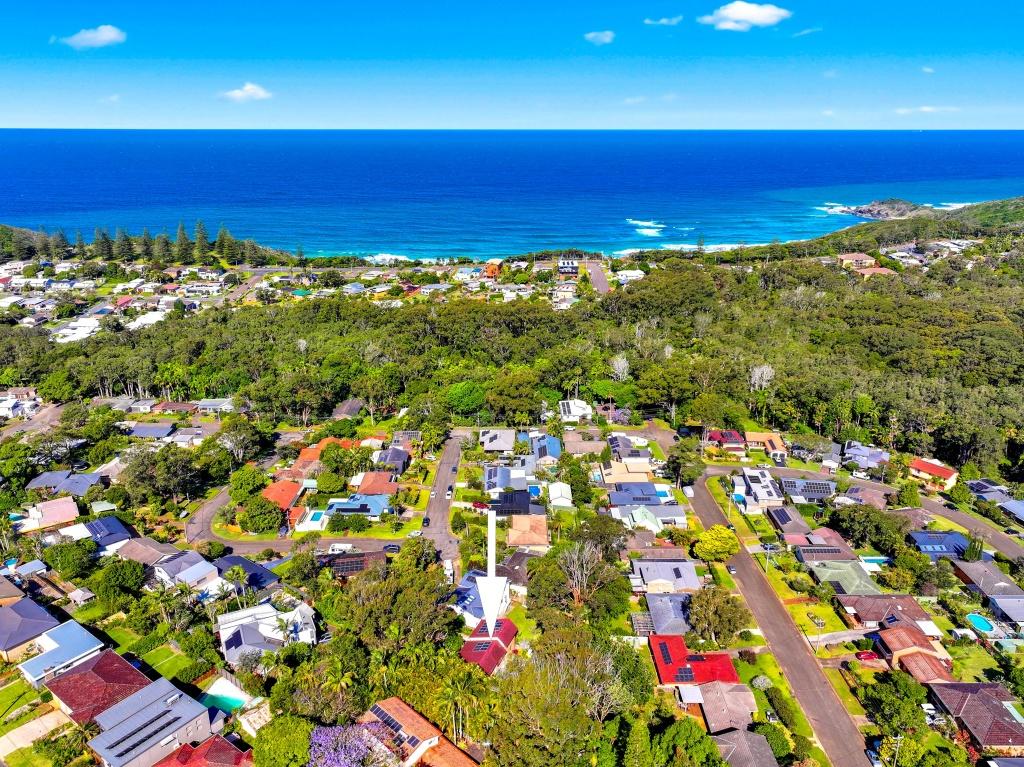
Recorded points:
527,64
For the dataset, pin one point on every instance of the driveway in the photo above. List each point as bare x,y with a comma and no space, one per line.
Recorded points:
836,731
44,419
597,277
439,508
30,732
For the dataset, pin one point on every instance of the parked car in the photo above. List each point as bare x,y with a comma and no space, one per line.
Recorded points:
433,494
455,469
764,466
426,521
479,505
415,534
860,475
873,758
392,548
731,569
448,495
866,655
731,526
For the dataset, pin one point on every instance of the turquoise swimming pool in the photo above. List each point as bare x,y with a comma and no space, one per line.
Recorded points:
980,622
225,703
316,516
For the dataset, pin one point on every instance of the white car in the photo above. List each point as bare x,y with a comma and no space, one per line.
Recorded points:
415,534
873,758
860,475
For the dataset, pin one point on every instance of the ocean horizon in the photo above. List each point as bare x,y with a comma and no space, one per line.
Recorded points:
490,193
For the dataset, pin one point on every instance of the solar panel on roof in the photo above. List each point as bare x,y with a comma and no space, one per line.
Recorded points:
481,646
684,675
695,658
136,743
412,741
666,656
783,516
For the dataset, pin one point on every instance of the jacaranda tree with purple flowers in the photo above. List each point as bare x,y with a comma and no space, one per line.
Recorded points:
353,745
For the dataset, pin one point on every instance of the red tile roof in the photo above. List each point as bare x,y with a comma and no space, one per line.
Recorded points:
932,469
378,483
215,751
486,651
312,453
726,436
282,493
925,668
92,687
677,665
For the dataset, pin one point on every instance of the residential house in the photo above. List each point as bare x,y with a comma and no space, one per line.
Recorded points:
581,443
529,531
348,409
258,578
395,459
743,748
642,493
61,648
186,567
377,483
155,431
48,514
568,266
370,506
989,490
58,482
94,685
20,624
407,440
879,611
560,496
846,577
626,450
808,490
620,472
936,544
264,629
907,648
215,406
497,478
282,493
510,503
727,706
864,456
824,545
168,406
148,725
419,742
985,578
489,651
676,665
669,613
216,751
985,711
865,496
665,576
770,442
757,491
467,599
788,521
348,563
855,261
574,411
1009,609
108,533
544,448
498,440
9,593
933,473
728,440
146,550
638,517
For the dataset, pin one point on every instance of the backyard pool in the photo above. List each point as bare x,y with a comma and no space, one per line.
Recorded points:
316,516
224,696
980,622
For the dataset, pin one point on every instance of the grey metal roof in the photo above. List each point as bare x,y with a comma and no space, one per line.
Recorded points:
669,613
22,622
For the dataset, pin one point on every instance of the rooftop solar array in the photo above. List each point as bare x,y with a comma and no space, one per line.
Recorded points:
666,656
684,674
392,724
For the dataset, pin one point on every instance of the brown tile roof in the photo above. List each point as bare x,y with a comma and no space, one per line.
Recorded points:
282,493
904,637
145,550
979,709
528,530
444,754
877,607
92,687
925,668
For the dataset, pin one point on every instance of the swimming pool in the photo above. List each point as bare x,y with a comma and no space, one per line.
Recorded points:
980,622
873,560
223,695
316,516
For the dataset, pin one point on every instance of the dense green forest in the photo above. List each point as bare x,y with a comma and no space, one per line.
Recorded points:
924,362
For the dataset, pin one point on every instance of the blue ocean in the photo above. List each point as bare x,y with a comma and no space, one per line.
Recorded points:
482,194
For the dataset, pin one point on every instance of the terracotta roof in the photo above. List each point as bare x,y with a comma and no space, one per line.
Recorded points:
877,607
410,720
933,469
677,665
528,530
446,754
97,684
215,751
312,453
904,637
282,493
925,668
378,483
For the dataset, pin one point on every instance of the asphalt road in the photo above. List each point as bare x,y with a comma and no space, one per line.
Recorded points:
439,508
44,420
597,277
836,731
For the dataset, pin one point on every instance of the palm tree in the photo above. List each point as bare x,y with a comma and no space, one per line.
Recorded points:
6,531
286,628
239,578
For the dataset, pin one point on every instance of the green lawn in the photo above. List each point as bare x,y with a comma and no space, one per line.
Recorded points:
844,692
124,637
166,661
382,531
91,612
236,534
12,697
799,611
970,663
26,757
527,626
744,530
722,577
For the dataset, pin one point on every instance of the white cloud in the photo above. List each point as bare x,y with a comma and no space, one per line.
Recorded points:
741,16
808,31
928,70
664,21
248,92
101,36
830,74
670,96
925,110
633,100
600,38
828,113
113,98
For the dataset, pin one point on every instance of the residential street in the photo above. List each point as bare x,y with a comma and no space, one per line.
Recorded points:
839,736
597,277
439,508
44,420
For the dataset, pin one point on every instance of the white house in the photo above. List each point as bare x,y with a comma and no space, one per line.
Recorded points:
264,629
574,411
